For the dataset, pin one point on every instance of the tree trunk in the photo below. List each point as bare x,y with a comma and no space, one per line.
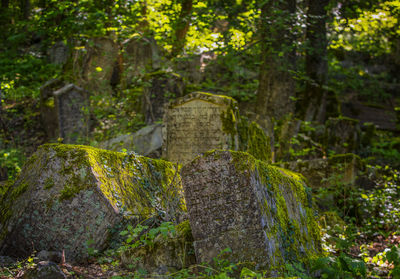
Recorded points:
314,98
5,4
182,26
276,84
25,9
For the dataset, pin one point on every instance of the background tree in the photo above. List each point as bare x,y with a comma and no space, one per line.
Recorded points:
276,83
314,96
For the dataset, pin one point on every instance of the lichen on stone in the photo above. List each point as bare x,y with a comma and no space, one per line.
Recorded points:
264,213
68,194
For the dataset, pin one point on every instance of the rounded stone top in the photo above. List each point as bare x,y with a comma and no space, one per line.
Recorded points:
204,96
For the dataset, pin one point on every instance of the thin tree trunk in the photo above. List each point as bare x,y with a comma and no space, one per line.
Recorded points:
25,9
182,26
5,4
276,84
314,98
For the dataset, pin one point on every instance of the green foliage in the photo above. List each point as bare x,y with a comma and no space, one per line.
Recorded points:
340,267
380,206
372,31
393,257
344,79
11,160
142,235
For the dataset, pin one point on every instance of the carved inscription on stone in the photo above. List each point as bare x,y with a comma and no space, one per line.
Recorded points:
193,125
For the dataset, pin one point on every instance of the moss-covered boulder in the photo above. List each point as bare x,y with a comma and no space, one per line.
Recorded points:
261,212
70,196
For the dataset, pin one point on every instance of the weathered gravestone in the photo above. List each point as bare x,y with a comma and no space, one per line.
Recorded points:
70,195
342,135
71,104
162,87
321,173
58,53
197,123
140,55
147,141
95,65
48,111
262,213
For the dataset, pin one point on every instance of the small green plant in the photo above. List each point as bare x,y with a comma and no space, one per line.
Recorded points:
393,257
339,267
11,160
141,235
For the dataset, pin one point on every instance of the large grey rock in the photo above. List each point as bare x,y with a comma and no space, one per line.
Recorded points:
262,213
197,123
68,196
147,141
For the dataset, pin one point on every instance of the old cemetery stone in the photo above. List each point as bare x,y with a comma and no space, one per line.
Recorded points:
140,55
71,104
95,65
197,123
63,110
71,196
58,54
322,173
342,135
48,110
147,141
160,89
261,212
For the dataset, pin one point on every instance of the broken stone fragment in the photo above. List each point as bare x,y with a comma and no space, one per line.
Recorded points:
69,197
261,212
45,270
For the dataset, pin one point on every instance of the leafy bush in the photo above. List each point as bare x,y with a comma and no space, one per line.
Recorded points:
11,160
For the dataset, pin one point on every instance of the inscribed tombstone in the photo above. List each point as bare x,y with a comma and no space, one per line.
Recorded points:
71,102
262,213
197,123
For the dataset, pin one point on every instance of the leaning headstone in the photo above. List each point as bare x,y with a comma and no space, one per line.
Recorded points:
71,104
197,123
48,111
262,213
71,196
147,142
162,87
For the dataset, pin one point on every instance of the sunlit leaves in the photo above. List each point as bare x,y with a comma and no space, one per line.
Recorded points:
373,31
